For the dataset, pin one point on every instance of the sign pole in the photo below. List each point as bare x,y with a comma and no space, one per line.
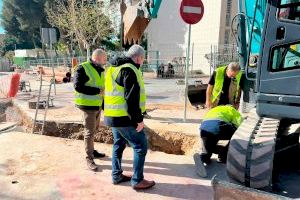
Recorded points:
187,73
191,11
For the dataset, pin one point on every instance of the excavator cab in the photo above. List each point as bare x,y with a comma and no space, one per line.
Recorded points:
136,16
278,78
268,138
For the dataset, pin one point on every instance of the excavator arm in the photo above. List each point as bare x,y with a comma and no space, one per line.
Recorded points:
136,16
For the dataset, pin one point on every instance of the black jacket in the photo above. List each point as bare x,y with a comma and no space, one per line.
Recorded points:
127,79
80,78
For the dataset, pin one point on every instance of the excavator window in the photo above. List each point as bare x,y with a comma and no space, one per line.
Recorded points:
285,57
289,10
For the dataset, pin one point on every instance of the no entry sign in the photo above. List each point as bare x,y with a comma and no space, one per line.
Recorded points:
191,11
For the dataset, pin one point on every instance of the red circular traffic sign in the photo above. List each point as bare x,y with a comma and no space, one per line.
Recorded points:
191,11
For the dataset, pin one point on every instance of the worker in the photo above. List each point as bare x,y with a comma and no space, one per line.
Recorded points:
89,90
124,104
219,123
224,86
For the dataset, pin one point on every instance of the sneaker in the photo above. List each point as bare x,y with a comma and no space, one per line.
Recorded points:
144,184
199,166
96,154
122,179
91,164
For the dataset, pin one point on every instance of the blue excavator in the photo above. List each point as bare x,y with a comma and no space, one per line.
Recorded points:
268,38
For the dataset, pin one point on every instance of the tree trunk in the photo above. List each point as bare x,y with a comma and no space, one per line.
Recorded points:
88,52
44,50
81,47
33,40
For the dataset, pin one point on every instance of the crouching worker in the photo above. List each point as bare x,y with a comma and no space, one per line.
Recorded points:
219,123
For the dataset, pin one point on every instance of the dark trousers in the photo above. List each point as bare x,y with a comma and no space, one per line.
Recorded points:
210,141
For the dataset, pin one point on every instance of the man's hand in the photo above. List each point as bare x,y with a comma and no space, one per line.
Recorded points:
209,91
101,92
236,106
208,104
140,127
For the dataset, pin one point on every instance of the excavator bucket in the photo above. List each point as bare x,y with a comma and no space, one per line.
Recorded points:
197,94
134,24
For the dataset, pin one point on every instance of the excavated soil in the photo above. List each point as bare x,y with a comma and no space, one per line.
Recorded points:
171,142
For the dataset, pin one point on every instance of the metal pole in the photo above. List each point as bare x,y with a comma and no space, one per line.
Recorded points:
121,32
192,58
88,52
157,59
187,73
211,60
53,71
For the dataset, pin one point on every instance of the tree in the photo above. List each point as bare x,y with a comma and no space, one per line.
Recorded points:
31,16
23,19
80,20
8,44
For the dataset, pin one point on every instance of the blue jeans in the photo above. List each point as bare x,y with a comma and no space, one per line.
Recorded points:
138,142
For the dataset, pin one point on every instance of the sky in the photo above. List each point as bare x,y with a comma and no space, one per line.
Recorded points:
1,29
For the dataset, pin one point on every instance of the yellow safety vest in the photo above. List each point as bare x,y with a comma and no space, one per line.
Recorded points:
225,113
96,81
115,104
218,86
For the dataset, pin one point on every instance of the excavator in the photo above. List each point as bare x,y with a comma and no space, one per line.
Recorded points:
268,38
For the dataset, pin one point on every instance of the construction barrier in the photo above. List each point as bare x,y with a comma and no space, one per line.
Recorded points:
14,85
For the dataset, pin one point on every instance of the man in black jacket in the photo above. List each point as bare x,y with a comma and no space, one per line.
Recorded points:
124,105
89,89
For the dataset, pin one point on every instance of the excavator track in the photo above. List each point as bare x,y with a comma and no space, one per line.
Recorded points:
251,151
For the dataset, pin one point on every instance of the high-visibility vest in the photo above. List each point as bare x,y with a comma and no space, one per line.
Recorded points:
225,113
96,81
218,86
115,104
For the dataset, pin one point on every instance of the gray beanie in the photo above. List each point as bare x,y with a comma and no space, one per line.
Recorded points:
135,50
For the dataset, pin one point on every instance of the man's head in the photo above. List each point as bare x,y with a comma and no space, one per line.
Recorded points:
232,70
137,54
99,57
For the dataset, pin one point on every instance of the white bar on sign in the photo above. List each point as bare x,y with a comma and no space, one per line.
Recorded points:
191,9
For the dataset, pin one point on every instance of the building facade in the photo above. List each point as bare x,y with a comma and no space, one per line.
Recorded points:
168,34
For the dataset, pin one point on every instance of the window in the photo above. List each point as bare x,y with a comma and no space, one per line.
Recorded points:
285,57
289,10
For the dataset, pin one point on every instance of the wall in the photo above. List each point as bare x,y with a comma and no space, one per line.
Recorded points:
229,9
205,34
168,33
4,65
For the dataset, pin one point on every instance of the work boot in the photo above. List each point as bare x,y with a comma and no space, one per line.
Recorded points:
96,154
123,178
144,184
222,158
199,166
91,164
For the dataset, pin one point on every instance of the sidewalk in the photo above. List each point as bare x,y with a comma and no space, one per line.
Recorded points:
42,167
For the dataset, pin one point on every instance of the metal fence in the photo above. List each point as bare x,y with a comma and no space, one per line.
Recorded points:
55,62
165,60
170,59
222,55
